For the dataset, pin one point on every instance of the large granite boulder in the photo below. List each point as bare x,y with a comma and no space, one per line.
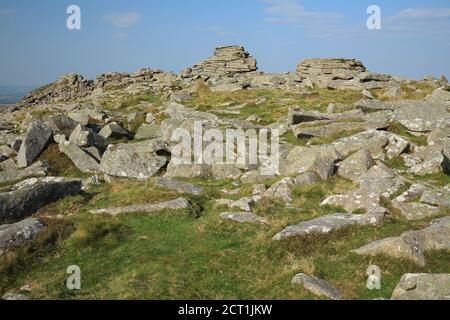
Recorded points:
80,158
135,160
37,138
423,287
32,194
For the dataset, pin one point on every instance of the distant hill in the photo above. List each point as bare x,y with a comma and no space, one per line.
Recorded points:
11,94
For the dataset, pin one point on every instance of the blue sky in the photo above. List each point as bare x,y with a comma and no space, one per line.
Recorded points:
124,35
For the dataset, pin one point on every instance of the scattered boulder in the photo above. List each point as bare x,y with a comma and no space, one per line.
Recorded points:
177,204
242,217
61,124
356,165
81,159
149,131
37,138
13,235
32,194
423,287
38,169
179,186
327,224
134,160
318,287
85,137
115,131
412,245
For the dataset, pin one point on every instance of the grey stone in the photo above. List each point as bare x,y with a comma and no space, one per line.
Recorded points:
242,217
356,165
32,194
61,124
134,160
85,137
415,210
114,130
37,169
436,197
327,224
307,179
179,186
14,297
177,204
318,287
423,287
149,131
37,138
13,235
81,159
412,245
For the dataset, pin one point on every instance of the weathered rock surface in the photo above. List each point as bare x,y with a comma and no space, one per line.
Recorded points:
32,194
423,287
67,88
114,130
37,138
38,169
177,204
179,186
13,235
356,165
412,245
327,224
85,137
134,160
318,287
242,217
81,159
61,124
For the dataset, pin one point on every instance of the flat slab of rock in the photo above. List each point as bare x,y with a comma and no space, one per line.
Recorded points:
318,287
13,235
415,210
245,204
326,224
39,169
32,194
37,138
242,217
423,287
177,204
179,186
81,159
413,244
356,165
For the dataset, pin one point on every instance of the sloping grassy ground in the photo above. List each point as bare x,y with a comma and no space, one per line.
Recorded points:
187,255
195,255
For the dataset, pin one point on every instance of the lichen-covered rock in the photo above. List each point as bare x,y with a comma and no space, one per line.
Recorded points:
114,130
37,169
61,124
423,287
242,217
134,160
327,224
177,204
318,287
412,245
81,159
13,235
356,165
32,194
85,137
37,138
179,186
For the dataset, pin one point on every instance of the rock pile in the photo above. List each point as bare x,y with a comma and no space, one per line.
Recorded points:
339,73
69,87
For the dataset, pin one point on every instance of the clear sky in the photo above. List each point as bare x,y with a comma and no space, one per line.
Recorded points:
125,35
